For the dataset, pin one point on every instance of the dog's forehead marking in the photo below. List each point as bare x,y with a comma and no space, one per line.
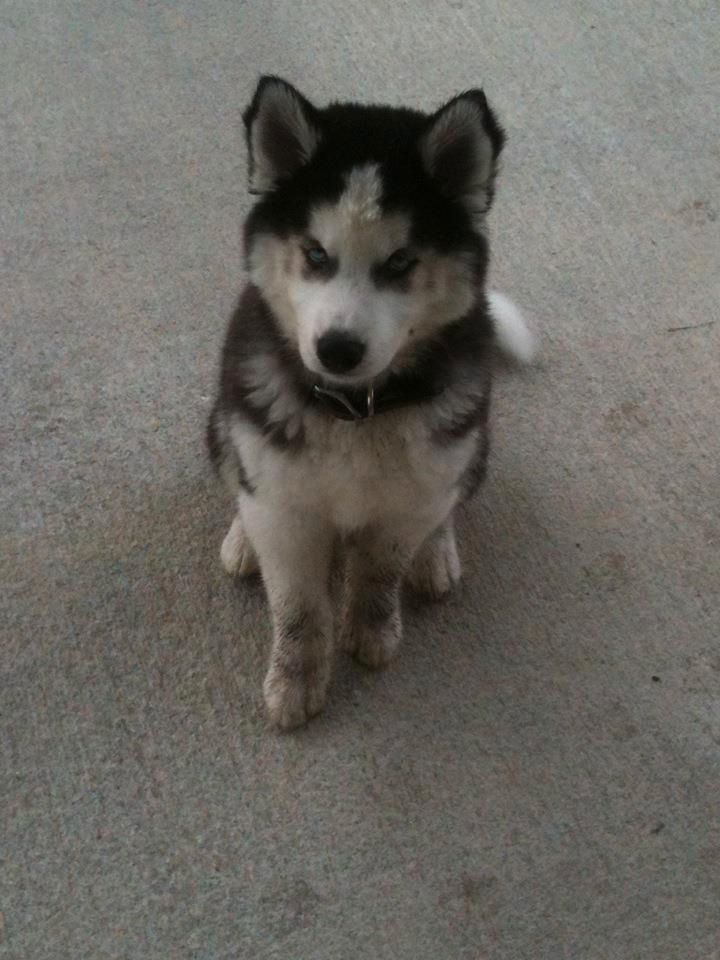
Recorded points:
360,201
355,225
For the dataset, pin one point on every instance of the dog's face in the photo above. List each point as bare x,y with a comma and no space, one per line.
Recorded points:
368,237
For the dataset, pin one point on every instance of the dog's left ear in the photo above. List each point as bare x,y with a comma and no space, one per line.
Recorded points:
460,150
282,133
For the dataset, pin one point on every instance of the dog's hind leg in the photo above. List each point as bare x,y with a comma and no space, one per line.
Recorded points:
294,550
236,553
436,568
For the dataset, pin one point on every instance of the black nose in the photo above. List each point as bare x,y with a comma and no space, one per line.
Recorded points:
339,352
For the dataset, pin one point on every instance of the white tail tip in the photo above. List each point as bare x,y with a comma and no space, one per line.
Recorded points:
512,332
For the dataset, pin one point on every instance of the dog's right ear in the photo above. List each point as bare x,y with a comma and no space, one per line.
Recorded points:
282,133
460,150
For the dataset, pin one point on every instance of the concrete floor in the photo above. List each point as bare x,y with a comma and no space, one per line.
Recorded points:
544,786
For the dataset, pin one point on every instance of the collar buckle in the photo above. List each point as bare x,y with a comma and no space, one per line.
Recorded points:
342,406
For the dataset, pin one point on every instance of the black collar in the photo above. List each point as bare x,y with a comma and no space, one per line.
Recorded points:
362,403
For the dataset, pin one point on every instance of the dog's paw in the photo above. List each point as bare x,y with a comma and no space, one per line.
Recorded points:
436,569
373,646
292,700
236,553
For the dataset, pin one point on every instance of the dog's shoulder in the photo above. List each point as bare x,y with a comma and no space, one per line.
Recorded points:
261,382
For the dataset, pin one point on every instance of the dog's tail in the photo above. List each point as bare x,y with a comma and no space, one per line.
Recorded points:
513,336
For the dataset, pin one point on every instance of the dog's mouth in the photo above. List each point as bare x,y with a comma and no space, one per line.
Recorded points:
333,381
349,383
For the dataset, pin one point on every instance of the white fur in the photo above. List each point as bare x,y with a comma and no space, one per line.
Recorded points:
436,567
353,475
514,337
354,232
363,190
236,553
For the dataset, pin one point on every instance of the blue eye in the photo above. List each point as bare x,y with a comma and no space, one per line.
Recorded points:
316,257
400,262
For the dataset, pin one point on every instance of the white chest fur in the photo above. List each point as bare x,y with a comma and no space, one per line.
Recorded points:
357,473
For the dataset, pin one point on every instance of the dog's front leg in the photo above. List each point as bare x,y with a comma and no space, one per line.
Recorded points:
294,550
378,560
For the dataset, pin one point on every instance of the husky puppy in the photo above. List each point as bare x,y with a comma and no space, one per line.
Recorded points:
354,392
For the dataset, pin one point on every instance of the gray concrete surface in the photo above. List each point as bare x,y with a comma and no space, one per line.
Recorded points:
538,776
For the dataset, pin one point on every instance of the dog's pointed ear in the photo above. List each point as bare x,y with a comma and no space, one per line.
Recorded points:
460,149
282,133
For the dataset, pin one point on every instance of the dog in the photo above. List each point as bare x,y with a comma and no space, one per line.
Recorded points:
354,392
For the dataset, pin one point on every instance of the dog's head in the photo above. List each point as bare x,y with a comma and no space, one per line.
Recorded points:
368,236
